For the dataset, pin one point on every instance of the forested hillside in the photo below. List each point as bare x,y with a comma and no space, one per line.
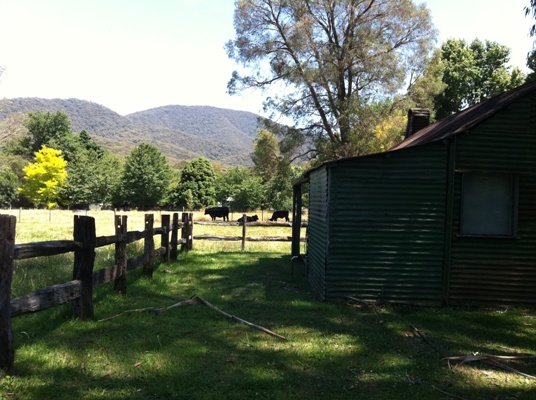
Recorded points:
217,124
180,132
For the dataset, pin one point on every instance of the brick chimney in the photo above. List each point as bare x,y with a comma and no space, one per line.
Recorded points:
418,118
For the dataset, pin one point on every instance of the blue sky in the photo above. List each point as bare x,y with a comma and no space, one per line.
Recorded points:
131,55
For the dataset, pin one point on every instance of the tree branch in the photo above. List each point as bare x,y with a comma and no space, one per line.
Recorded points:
308,83
196,300
302,154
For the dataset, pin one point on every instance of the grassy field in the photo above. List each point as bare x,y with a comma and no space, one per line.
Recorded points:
334,351
37,225
42,225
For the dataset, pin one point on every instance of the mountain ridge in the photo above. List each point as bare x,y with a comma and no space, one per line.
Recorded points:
175,117
180,132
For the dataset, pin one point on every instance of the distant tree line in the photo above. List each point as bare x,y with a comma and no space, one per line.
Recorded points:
52,166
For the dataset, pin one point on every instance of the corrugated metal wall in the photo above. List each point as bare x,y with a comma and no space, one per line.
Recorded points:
317,233
387,224
498,270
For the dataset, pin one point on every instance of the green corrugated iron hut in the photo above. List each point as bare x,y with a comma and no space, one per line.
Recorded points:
446,217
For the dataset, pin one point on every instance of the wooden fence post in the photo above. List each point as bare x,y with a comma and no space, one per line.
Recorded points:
120,283
244,219
174,237
190,231
164,237
84,260
148,248
184,232
296,220
7,250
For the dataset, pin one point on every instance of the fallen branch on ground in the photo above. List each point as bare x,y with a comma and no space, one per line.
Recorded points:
424,338
196,300
475,357
363,303
155,310
493,361
237,319
417,332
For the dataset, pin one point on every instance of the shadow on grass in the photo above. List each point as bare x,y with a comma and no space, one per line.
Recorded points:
334,350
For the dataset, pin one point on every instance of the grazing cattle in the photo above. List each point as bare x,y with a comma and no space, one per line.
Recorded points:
218,212
279,214
248,219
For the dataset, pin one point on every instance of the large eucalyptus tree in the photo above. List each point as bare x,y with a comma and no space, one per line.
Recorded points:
329,59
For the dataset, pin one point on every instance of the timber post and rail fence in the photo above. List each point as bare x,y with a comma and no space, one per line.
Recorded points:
244,238
79,291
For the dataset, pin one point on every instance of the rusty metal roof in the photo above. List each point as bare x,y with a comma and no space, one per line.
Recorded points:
466,119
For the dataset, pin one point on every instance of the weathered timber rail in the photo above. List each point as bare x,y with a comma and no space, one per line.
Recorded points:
243,238
256,223
247,238
79,291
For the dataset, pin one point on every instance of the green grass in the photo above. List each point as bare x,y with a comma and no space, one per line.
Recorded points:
334,351
42,225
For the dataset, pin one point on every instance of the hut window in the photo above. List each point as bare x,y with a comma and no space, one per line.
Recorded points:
489,204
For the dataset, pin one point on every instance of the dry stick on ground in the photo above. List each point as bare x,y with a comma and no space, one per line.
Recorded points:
418,333
156,310
493,360
508,368
488,359
424,338
472,357
196,300
413,327
362,302
237,319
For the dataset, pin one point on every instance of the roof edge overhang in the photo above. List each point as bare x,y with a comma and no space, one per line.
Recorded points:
466,119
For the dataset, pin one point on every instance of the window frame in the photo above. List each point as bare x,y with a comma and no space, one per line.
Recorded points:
515,206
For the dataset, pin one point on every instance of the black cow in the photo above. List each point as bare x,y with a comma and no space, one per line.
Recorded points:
248,219
218,212
279,214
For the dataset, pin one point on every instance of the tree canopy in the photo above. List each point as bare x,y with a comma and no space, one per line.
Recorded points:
472,73
44,178
92,172
266,154
275,173
241,188
145,178
44,127
91,179
530,9
196,187
9,183
333,58
531,64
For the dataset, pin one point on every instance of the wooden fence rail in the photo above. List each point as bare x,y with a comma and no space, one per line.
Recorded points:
246,238
79,291
255,223
243,238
